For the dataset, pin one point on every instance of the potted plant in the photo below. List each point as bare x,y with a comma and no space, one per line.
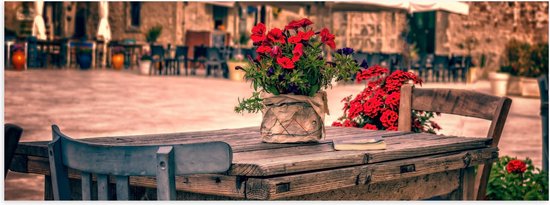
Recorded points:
377,106
153,34
84,58
18,59
513,179
538,66
517,59
289,76
145,64
118,57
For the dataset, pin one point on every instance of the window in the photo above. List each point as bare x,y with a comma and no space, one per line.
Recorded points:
135,11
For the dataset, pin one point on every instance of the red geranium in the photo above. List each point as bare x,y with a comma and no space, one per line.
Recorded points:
276,35
258,33
327,38
389,118
370,127
516,166
285,62
372,107
392,101
297,52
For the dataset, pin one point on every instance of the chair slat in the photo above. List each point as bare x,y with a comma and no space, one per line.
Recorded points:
102,187
86,185
122,187
60,179
166,187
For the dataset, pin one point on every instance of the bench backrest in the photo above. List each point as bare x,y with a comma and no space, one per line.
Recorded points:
122,161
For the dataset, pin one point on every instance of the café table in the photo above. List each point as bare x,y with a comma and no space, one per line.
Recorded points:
413,166
133,50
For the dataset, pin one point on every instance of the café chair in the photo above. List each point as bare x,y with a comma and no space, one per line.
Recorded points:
12,134
458,102
157,57
107,161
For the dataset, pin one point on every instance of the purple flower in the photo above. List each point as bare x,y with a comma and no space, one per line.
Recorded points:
238,68
345,51
270,71
364,64
320,57
293,88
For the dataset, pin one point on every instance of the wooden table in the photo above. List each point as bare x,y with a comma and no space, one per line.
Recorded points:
414,166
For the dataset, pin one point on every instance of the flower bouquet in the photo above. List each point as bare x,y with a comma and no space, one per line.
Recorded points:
377,106
288,78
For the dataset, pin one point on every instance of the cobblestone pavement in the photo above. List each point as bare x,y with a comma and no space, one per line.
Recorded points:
106,103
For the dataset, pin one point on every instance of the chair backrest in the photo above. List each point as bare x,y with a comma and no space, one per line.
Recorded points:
457,102
181,51
157,51
122,161
12,134
213,54
199,51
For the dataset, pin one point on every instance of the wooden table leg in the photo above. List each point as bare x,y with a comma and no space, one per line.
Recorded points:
467,182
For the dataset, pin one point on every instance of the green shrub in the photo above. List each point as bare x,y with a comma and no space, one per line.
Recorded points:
532,184
153,34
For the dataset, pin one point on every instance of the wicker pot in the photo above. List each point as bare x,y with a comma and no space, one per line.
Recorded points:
18,60
293,118
118,61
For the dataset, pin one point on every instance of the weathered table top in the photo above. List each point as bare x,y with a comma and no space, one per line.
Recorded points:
271,171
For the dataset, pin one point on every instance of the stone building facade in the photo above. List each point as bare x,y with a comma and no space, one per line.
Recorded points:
489,24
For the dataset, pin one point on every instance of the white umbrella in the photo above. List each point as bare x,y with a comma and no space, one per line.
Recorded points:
411,6
450,6
39,27
104,30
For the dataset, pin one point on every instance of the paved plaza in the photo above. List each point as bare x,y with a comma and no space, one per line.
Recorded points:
112,103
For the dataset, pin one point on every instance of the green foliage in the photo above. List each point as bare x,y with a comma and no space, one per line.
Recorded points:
530,185
252,104
522,59
153,34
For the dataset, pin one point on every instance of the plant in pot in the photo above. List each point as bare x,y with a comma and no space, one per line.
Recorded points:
145,63
517,59
289,76
84,58
537,67
118,57
153,34
18,59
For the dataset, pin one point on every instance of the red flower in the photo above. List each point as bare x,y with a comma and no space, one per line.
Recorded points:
371,108
263,49
337,124
301,36
398,78
355,108
297,52
392,128
389,118
370,127
516,166
349,123
258,33
305,22
392,101
327,38
285,62
276,35
373,71
435,125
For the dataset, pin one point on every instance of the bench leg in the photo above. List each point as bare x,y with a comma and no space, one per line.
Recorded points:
48,192
467,184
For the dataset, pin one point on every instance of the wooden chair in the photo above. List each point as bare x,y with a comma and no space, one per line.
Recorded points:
12,134
457,102
122,161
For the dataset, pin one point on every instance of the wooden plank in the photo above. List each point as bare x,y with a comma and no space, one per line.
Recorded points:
468,182
166,187
102,187
413,188
122,188
307,183
213,184
86,186
405,101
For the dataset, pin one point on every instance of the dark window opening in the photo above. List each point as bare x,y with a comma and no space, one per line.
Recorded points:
220,16
135,13
423,31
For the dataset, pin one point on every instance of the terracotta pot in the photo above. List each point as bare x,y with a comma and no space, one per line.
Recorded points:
499,83
18,60
118,61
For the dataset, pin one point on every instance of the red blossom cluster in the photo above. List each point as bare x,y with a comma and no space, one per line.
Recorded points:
516,166
269,44
377,106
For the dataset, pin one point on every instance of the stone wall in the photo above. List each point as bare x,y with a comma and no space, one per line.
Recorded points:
492,25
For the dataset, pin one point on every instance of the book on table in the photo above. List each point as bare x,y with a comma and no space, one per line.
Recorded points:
361,144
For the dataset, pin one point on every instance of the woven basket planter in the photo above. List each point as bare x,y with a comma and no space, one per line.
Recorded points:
293,118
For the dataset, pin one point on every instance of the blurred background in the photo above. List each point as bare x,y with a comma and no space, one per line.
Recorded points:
122,68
